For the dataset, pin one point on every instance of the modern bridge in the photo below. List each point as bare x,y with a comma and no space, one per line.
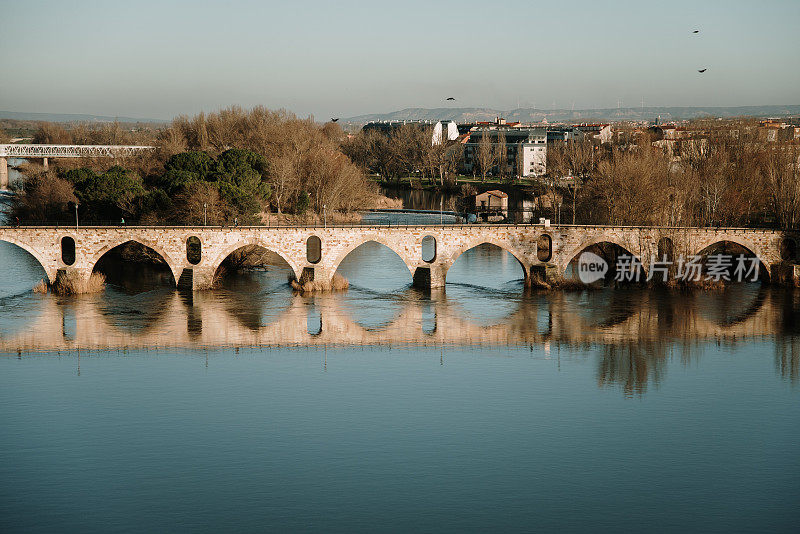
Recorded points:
62,151
195,253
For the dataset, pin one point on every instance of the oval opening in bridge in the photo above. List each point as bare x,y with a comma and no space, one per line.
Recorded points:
666,250
428,318
314,321
67,250
544,247
313,249
428,249
194,250
788,249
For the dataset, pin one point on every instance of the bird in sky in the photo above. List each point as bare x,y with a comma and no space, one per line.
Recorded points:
702,70
334,119
696,31
450,98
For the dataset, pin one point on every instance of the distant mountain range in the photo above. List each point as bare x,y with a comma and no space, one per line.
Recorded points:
68,117
465,115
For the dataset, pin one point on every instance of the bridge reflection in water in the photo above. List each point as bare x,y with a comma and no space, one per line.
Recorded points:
635,331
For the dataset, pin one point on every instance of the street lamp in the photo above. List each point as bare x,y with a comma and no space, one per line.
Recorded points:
324,217
205,205
76,215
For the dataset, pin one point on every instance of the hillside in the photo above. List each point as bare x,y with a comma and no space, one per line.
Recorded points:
69,117
579,115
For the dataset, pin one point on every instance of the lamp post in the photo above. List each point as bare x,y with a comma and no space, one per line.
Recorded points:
76,215
205,205
324,217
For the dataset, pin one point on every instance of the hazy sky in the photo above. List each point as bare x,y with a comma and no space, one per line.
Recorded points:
161,58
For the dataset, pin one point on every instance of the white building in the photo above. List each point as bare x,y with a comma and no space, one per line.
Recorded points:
444,129
526,149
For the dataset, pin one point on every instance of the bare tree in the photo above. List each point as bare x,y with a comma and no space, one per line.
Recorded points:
782,172
501,153
484,156
283,173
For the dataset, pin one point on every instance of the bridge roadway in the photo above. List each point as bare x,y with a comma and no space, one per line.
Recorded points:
62,151
175,320
538,249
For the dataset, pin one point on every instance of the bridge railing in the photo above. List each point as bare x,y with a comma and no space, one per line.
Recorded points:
370,224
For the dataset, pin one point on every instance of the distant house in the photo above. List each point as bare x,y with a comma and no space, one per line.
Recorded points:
599,132
491,203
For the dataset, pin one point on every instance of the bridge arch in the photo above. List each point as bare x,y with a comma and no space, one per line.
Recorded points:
49,268
171,263
486,240
566,259
411,262
715,239
216,262
750,247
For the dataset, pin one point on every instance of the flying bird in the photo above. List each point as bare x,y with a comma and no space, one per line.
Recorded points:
702,70
335,120
450,98
696,31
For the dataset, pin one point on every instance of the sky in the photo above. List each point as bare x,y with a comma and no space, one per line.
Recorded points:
159,59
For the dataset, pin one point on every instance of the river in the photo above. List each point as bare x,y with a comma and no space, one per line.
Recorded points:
482,407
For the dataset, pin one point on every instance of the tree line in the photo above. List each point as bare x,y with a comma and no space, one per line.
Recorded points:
256,164
234,165
726,176
406,151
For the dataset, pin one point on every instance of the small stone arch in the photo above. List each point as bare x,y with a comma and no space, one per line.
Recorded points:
227,251
173,266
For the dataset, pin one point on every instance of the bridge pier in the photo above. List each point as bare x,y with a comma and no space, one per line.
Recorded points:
3,173
547,273
430,276
195,278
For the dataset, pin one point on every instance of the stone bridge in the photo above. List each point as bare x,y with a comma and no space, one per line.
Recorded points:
194,254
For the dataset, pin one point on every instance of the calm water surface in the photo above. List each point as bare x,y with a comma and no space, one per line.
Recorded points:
479,408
